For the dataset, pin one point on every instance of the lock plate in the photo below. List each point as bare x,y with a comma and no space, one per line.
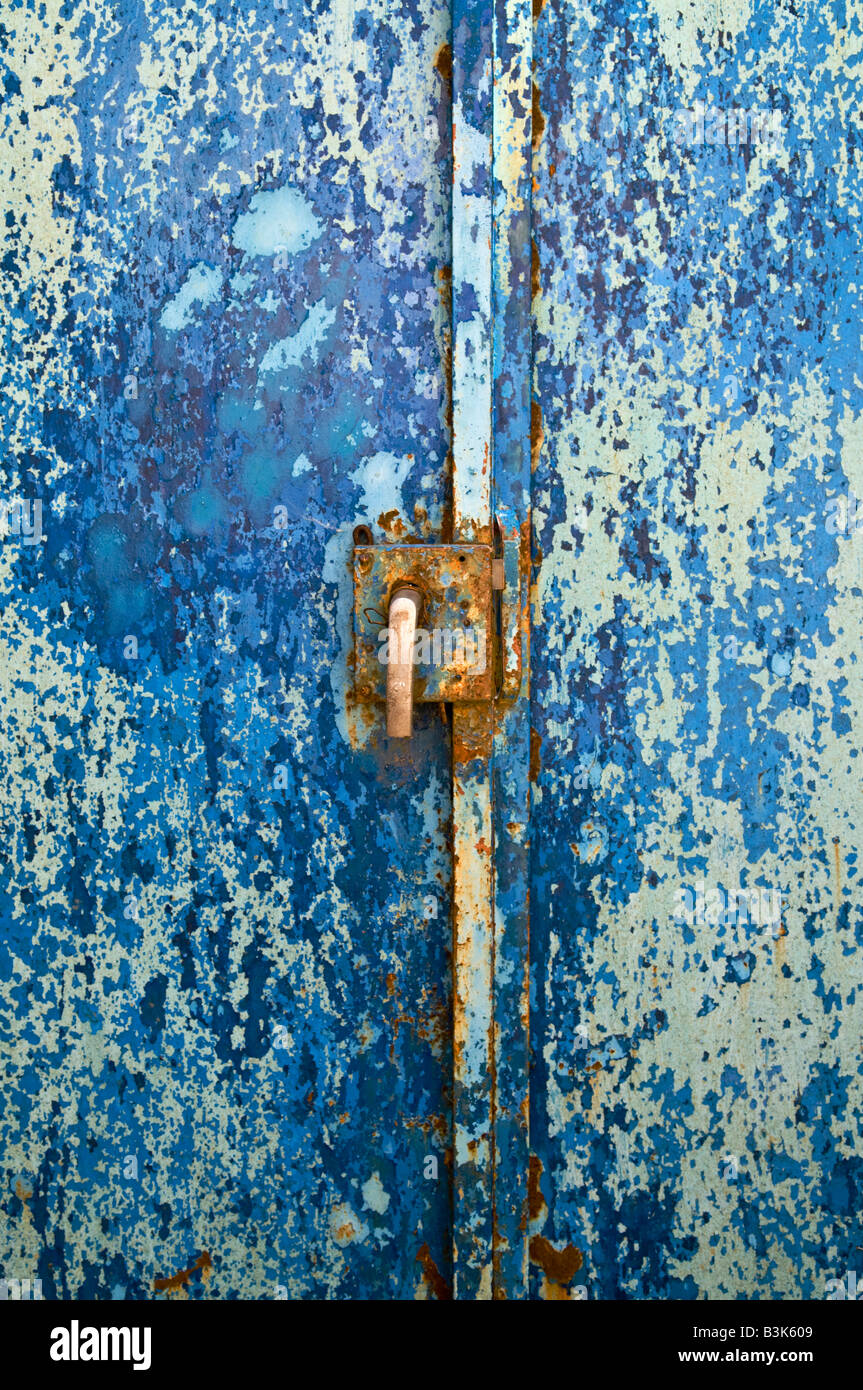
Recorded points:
454,647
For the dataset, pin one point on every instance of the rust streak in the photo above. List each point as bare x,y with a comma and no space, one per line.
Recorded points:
538,119
443,63
536,434
432,1276
535,747
536,1205
202,1264
560,1266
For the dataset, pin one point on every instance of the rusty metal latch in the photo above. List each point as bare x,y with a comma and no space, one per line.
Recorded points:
435,623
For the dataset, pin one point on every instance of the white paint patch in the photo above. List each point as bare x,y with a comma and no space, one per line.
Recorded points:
346,1226
471,260
280,219
290,351
270,302
337,570
201,286
687,34
380,478
374,1196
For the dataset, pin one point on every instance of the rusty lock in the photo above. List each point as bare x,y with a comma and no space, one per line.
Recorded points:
459,653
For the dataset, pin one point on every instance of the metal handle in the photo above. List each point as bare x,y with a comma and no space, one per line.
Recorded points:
404,610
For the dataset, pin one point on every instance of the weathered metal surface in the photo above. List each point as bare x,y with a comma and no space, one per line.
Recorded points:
472,725
225,1018
696,1092
243,1055
512,608
455,649
511,349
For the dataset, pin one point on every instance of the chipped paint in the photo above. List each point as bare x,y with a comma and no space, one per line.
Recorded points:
472,724
272,272
696,1089
225,232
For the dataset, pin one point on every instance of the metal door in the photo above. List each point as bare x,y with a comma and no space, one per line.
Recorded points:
559,997
695,902
226,942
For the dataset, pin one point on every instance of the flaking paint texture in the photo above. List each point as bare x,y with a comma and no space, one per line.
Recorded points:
696,1086
224,993
225,958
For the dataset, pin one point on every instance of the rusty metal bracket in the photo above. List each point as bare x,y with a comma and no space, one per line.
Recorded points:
454,643
467,645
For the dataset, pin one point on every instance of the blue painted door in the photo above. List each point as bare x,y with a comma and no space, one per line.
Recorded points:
696,815
560,999
226,955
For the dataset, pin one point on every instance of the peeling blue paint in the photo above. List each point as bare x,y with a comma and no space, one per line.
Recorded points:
227,1011
697,393
225,943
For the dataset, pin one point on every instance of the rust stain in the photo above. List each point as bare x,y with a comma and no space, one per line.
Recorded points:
537,1208
432,1276
534,269
443,63
535,747
537,8
433,1023
525,537
472,735
421,517
538,119
437,1126
391,523
537,434
560,1266
203,1265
